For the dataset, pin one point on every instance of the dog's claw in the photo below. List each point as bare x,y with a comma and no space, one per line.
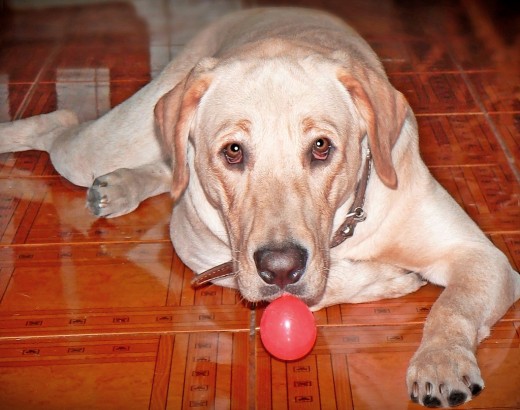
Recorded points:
453,399
474,388
429,389
103,201
415,393
433,383
96,201
429,400
111,195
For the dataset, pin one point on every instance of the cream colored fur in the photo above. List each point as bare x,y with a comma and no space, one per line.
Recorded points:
275,81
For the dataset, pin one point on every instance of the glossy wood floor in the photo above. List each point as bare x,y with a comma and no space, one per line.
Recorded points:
99,314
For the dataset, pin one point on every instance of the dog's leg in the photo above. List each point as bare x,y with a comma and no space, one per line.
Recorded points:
360,281
439,240
121,191
480,288
37,132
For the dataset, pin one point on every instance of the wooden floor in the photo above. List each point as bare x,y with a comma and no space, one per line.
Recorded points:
99,314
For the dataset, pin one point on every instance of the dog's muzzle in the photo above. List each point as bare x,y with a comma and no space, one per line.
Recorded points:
285,266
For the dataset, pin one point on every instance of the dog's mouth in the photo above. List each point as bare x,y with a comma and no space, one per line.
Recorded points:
270,293
276,270
309,295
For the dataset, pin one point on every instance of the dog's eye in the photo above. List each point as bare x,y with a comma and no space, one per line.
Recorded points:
233,153
321,149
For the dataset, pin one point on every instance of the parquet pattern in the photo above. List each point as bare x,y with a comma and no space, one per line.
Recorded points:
100,314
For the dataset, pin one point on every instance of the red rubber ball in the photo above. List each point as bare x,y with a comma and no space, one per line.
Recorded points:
288,329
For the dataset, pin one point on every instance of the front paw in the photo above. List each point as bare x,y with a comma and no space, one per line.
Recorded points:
444,376
112,195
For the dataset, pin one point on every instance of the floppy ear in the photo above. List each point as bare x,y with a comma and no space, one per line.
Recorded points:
384,111
174,113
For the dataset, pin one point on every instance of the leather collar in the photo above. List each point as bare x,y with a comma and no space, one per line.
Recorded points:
357,213
346,230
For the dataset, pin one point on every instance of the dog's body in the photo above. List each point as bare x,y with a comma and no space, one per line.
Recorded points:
268,116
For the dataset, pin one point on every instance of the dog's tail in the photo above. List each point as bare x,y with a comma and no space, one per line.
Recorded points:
37,132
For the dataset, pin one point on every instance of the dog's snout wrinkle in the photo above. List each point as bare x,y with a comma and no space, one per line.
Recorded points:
281,266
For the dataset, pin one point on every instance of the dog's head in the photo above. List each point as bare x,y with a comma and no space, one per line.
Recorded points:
276,145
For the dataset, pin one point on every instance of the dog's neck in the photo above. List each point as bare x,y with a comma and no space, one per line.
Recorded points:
345,231
356,213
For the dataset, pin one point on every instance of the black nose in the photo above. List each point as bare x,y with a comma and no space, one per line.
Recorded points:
281,266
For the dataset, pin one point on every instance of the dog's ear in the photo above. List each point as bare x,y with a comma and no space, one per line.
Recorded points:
384,111
174,113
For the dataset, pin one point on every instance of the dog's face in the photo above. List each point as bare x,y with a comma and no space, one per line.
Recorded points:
277,150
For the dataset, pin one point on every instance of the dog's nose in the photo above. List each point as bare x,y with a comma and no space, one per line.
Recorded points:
281,266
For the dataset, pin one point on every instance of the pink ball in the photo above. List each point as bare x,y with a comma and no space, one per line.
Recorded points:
288,329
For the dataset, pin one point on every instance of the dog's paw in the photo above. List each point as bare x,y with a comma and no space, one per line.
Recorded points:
112,195
443,377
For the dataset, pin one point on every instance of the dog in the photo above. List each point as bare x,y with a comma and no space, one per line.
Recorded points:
288,152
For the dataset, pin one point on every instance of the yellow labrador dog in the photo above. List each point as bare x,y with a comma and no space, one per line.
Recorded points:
289,153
